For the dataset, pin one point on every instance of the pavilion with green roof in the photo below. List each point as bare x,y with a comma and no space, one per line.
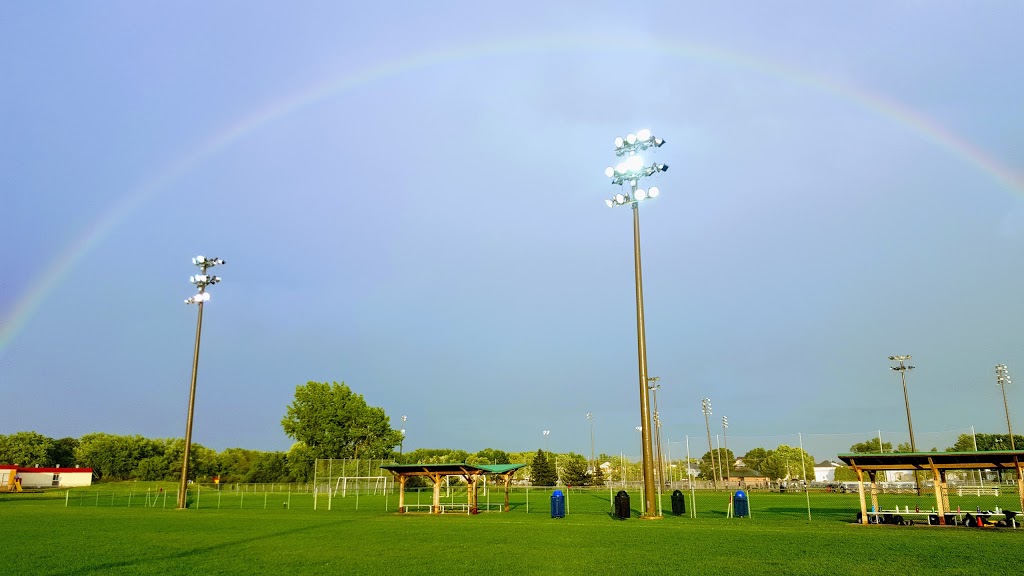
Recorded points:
938,463
437,472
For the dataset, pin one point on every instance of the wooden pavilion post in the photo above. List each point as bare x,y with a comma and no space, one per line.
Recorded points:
937,484
401,492
860,489
508,483
470,492
436,509
874,492
1020,481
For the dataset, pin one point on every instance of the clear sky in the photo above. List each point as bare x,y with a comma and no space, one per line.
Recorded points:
409,197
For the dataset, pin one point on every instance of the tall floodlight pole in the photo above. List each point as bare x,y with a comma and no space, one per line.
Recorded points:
1002,379
201,280
654,387
546,434
629,172
705,406
725,440
593,459
902,369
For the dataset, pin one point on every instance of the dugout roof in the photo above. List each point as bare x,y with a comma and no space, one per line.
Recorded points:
996,459
451,469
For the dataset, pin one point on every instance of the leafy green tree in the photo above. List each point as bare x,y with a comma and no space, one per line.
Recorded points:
62,452
597,478
785,463
26,449
872,446
753,458
334,422
709,465
845,474
965,442
436,456
542,470
574,470
114,457
300,463
489,456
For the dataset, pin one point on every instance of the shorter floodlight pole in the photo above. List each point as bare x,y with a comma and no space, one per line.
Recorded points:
902,369
1002,379
705,406
593,459
725,439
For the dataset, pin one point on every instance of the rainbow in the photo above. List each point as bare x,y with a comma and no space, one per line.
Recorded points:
43,285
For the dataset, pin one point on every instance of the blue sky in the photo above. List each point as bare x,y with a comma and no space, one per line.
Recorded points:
410,200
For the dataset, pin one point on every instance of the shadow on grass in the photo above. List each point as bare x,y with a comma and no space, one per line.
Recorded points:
195,551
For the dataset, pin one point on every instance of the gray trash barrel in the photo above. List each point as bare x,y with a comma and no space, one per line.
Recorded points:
557,504
741,507
678,503
622,505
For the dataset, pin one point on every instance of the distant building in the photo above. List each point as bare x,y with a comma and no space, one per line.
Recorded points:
43,477
825,471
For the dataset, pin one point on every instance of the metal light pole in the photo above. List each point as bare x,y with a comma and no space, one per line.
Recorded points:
902,369
705,406
546,434
630,171
401,445
201,280
725,439
593,459
1002,379
654,386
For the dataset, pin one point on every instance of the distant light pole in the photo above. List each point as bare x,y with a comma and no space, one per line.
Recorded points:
705,406
201,280
401,446
654,387
546,434
725,438
630,171
593,459
902,369
1002,379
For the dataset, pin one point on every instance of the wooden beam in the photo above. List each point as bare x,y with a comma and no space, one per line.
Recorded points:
401,492
436,477
860,490
1020,481
937,484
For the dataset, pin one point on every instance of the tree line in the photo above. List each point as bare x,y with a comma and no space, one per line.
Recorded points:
329,420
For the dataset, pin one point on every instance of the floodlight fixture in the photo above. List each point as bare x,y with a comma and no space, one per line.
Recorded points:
632,143
207,262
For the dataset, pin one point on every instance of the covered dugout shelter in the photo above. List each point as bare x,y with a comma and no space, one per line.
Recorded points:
938,463
437,472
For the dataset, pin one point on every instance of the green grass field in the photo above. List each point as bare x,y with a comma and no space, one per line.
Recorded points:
95,532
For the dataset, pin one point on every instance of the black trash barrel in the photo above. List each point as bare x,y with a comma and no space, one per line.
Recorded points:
557,504
622,505
678,503
740,507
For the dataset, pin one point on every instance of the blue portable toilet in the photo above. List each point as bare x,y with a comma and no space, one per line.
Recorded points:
741,507
557,504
